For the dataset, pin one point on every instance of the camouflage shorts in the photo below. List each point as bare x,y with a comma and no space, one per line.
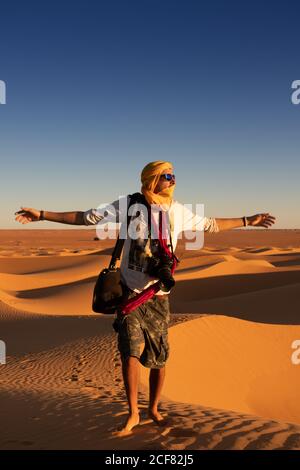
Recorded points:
146,324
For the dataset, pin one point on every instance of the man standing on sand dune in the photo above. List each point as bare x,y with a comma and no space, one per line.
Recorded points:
148,321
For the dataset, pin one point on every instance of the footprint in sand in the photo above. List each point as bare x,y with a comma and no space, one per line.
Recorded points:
181,443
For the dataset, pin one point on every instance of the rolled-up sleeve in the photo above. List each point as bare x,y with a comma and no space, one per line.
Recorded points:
92,217
113,213
197,221
210,225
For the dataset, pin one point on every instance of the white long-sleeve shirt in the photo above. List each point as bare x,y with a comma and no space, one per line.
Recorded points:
137,247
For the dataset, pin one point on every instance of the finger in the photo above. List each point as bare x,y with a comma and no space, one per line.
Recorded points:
22,216
20,213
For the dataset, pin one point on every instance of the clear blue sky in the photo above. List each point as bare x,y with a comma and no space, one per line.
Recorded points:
97,89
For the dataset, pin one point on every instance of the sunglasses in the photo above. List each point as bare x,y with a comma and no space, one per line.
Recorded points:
168,176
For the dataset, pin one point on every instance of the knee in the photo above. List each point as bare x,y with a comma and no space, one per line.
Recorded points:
129,360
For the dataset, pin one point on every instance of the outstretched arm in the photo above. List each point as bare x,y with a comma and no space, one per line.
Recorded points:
29,214
258,220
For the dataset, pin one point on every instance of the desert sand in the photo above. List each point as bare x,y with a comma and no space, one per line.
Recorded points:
230,382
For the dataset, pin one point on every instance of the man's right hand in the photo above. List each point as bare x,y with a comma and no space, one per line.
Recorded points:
27,214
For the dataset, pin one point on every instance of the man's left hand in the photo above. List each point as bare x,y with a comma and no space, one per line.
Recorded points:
261,220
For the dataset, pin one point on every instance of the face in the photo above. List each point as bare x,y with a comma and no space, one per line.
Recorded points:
162,183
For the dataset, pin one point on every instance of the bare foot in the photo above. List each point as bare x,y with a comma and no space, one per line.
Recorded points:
132,420
157,417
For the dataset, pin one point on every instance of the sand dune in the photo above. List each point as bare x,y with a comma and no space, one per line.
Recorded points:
255,306
230,380
53,287
240,365
66,299
47,264
228,265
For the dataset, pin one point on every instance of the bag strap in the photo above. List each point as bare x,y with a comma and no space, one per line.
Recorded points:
116,254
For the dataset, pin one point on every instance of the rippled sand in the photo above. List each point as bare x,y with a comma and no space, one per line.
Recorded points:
230,381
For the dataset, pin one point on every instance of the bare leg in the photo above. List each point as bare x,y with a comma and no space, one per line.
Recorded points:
156,381
131,369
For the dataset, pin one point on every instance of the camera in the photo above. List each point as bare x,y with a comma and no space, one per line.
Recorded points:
161,268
